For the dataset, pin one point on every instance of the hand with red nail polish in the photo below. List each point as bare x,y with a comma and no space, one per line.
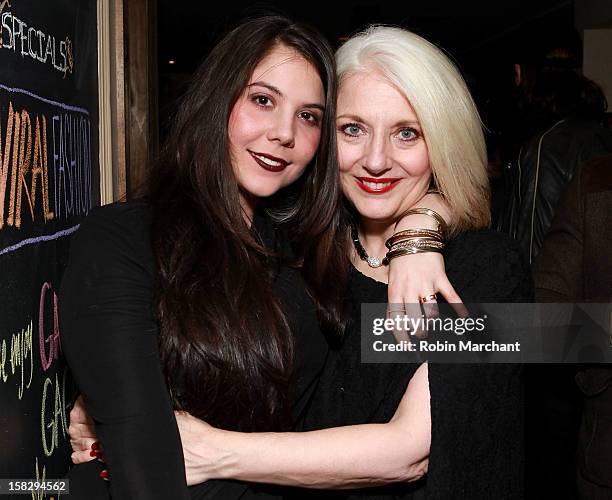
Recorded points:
85,445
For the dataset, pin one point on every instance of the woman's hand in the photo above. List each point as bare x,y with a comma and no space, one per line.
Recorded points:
201,448
418,276
83,440
412,277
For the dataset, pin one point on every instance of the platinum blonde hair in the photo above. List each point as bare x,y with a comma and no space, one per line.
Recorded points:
446,111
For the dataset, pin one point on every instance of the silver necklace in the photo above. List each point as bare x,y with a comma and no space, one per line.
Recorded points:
373,262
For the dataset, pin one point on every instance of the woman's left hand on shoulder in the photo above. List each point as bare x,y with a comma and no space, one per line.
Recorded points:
413,278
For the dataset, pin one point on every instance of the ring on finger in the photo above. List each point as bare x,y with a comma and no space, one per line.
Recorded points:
429,298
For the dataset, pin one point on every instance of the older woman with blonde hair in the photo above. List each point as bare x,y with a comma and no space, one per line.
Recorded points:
406,124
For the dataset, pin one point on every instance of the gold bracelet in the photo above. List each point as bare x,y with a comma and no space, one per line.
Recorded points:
405,251
414,233
433,246
442,225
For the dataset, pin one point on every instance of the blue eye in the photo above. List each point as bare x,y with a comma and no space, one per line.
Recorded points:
407,134
351,129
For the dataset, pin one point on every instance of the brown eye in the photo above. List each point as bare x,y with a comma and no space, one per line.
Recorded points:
262,100
309,117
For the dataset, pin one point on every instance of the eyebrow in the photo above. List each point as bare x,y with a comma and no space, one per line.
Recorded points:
355,118
401,123
276,90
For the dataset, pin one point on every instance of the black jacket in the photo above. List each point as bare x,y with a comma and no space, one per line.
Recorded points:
538,177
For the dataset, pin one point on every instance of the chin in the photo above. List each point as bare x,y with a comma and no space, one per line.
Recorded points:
263,190
377,217
376,211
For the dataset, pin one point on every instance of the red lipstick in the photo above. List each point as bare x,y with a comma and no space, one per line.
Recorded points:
383,184
269,162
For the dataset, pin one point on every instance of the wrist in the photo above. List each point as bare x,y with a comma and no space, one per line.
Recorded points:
415,221
438,203
223,458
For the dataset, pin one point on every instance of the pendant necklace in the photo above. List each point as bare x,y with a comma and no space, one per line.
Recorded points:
373,262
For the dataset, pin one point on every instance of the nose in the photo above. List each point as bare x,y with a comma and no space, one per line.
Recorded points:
282,130
376,158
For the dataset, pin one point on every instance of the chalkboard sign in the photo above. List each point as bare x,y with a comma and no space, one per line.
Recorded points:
49,180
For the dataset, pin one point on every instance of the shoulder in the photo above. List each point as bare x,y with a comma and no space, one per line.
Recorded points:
587,134
119,232
118,217
487,265
115,224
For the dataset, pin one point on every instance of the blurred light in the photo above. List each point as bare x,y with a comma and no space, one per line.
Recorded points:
171,61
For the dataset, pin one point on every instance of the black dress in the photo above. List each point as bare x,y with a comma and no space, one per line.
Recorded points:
476,410
109,336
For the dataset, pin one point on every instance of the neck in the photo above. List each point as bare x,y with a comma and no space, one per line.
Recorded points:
248,202
373,235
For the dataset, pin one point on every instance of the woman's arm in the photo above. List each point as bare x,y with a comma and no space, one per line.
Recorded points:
109,337
341,457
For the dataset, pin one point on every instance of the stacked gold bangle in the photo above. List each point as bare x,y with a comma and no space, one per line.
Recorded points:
412,241
442,226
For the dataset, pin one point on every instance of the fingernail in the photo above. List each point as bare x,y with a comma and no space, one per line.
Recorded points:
95,445
93,453
104,474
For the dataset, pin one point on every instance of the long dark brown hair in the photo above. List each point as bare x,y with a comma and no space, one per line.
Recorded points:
225,343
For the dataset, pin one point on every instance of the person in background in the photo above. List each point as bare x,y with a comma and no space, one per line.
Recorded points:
566,111
557,127
574,265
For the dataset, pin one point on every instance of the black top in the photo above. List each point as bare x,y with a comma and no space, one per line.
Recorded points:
476,410
109,336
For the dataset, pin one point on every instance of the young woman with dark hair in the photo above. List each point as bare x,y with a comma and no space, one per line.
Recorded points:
191,290
213,296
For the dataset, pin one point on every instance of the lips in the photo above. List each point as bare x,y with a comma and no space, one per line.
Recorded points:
378,185
269,162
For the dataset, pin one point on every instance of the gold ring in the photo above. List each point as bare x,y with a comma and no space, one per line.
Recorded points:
429,298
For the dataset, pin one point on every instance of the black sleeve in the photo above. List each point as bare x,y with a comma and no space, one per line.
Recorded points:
109,337
477,435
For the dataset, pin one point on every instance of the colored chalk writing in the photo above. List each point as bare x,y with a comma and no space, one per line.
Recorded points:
29,144
16,361
49,180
